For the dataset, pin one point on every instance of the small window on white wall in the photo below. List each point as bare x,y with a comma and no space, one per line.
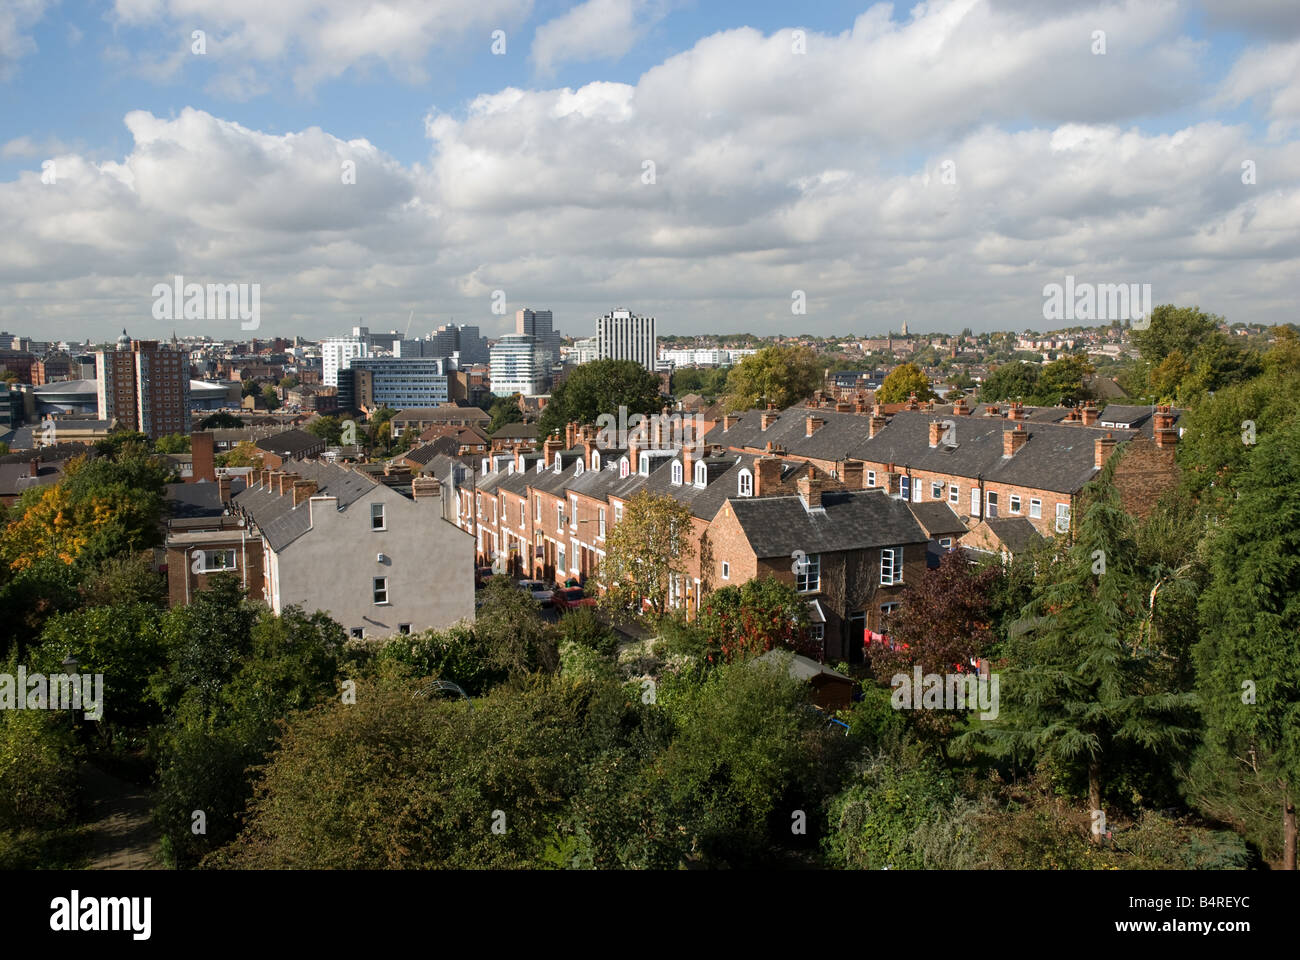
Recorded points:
701,475
745,484
677,472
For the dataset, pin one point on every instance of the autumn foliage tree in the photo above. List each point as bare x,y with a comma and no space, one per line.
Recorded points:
945,620
747,620
903,381
644,551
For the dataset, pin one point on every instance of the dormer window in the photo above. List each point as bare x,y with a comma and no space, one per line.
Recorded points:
701,475
677,472
595,459
745,485
541,465
623,467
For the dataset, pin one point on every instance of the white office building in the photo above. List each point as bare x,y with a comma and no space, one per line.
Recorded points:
400,381
337,353
519,365
704,356
622,335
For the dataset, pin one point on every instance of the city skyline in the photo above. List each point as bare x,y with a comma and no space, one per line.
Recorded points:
851,168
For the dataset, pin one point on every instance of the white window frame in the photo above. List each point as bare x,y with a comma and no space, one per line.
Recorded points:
575,557
701,474
726,570
1062,514
954,495
936,489
601,524
537,513
559,517
974,501
378,587
1035,508
945,543
618,512
677,472
905,487
809,580
231,553
871,478
559,558
891,566
1013,503
381,516
991,504
573,504
745,484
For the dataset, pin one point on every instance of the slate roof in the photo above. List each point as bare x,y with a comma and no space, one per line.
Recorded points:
188,501
516,431
705,502
937,518
277,519
15,478
424,454
290,443
1017,533
450,412
853,520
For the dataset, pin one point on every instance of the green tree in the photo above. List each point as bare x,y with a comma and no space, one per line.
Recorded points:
1011,381
173,443
1171,328
781,376
328,428
1081,688
643,551
504,410
221,421
903,381
1063,381
271,397
600,387
1248,658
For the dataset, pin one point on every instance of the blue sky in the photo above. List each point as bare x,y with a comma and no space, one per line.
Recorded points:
521,171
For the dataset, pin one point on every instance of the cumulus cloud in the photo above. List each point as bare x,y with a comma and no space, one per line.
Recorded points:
940,169
321,38
594,30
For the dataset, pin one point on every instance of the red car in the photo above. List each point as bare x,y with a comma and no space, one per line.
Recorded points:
571,598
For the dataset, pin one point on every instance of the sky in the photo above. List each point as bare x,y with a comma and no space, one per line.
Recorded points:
826,168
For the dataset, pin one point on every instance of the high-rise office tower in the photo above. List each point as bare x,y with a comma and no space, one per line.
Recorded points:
540,325
622,335
337,353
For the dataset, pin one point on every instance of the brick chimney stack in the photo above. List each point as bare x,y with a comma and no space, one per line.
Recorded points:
992,410
302,490
851,474
936,432
810,492
876,423
688,464
1103,447
1013,440
959,407
1017,412
223,489
34,467
729,420
813,424
551,447
768,417
203,457
1090,414
286,482
1163,423
570,435
859,404
767,476
425,488
912,403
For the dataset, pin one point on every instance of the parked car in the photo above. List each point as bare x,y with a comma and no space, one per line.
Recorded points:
571,598
540,591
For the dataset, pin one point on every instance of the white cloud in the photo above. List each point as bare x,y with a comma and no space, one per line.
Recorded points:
16,18
321,39
823,172
594,30
1270,74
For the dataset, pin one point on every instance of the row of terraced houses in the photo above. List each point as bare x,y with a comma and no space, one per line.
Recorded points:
847,504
